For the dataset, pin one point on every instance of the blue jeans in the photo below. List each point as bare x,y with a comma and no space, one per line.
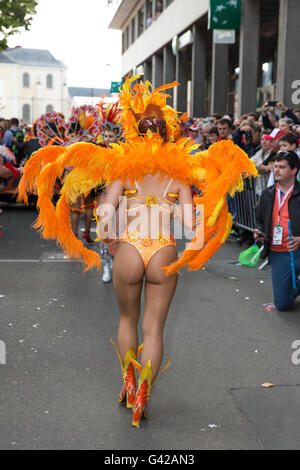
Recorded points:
282,283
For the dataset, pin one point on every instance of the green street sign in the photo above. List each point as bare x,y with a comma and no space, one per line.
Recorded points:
224,14
115,87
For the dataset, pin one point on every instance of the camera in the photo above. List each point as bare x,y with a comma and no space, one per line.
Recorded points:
248,135
272,103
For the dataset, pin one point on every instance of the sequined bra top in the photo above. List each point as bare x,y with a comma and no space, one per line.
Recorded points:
150,200
158,224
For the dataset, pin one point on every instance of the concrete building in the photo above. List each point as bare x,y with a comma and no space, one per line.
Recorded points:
32,82
169,40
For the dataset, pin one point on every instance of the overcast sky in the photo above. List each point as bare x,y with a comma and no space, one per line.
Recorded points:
76,32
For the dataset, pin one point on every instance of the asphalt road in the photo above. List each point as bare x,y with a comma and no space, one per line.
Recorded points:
61,379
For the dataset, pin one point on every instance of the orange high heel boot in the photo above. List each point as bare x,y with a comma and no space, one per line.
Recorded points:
145,385
127,393
142,396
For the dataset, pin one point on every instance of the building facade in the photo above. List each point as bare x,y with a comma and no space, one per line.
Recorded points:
32,82
169,40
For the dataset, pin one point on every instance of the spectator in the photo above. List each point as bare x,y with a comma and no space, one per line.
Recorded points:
14,140
213,135
205,133
269,119
275,135
248,137
158,9
289,142
215,117
33,143
277,205
236,123
288,112
260,122
261,161
286,124
270,123
149,19
194,134
224,129
252,117
297,113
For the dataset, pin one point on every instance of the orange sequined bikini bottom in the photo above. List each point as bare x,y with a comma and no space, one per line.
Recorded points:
147,247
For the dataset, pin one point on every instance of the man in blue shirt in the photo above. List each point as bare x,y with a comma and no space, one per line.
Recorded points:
14,139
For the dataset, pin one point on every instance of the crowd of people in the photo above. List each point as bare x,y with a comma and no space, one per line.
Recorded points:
261,136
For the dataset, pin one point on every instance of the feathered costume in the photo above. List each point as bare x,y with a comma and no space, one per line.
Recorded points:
9,184
110,117
215,172
159,150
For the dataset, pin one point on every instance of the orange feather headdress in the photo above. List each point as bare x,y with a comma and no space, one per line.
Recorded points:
139,101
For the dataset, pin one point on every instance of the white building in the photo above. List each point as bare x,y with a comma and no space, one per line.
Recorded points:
32,82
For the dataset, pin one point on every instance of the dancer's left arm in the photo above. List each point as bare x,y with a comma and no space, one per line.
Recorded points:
107,209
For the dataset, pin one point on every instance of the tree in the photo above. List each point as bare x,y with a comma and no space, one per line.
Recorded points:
15,14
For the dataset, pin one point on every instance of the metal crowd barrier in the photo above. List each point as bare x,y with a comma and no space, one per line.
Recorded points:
242,206
243,210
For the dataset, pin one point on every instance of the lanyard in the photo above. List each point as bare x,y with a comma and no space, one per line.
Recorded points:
281,201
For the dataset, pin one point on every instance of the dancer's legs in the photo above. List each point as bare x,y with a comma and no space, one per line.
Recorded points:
159,291
128,276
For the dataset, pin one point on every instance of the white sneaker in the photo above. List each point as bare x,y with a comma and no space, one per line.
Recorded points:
107,273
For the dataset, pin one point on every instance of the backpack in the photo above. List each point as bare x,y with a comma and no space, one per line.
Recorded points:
18,148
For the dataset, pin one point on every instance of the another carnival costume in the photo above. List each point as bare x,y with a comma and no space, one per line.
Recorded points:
215,173
9,184
54,133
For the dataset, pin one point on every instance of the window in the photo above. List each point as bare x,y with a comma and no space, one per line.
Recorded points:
26,113
141,26
127,37
123,43
149,11
267,73
132,30
49,81
26,80
49,108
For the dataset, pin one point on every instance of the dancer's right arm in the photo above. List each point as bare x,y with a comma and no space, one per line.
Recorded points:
187,208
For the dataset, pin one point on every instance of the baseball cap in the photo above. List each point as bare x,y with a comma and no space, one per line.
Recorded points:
277,133
194,127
